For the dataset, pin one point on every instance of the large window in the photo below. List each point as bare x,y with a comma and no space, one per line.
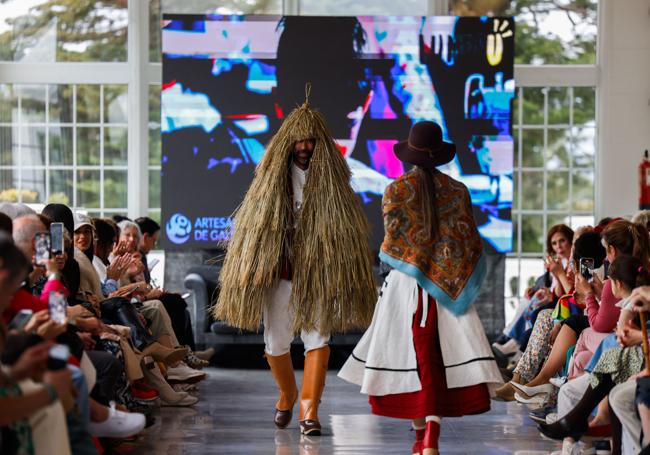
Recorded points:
63,30
555,141
548,31
64,143
155,155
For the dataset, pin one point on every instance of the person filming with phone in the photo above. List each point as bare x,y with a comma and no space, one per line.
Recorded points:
33,400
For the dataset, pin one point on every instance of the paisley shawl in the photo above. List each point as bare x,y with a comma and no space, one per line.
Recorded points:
451,266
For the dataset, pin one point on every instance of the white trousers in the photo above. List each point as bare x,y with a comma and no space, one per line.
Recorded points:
278,317
571,393
621,399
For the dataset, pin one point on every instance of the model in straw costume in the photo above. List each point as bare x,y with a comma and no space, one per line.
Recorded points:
425,355
299,259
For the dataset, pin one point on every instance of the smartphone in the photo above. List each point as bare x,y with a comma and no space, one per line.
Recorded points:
58,357
587,268
56,238
57,306
42,247
18,322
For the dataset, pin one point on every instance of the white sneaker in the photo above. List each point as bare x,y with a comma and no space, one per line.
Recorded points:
509,347
119,425
183,373
189,400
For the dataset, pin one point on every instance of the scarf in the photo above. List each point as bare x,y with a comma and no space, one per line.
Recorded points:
449,266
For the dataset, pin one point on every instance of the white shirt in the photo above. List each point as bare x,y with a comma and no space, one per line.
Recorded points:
100,267
298,177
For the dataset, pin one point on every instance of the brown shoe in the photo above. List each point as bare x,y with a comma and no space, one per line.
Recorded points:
505,393
310,427
282,370
313,383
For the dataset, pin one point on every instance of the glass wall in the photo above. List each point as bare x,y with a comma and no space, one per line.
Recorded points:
64,143
555,157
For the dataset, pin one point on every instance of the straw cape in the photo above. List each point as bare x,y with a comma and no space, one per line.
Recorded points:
333,286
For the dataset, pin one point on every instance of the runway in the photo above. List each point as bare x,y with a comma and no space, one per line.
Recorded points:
234,416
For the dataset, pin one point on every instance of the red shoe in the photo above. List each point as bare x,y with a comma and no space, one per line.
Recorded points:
143,392
417,445
601,431
430,441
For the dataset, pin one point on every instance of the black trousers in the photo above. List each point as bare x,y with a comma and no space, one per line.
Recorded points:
181,323
108,371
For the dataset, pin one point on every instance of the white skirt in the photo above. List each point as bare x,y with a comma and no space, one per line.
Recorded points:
384,361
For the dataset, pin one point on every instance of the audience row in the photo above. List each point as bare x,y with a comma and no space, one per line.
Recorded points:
574,350
89,346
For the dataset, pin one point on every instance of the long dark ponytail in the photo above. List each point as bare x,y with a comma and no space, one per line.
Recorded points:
428,201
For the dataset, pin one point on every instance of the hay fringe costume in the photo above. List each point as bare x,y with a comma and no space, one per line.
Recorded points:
425,353
299,259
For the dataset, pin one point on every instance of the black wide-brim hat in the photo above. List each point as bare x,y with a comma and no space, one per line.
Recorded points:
425,146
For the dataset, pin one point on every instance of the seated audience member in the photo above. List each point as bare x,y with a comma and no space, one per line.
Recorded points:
32,422
629,403
61,213
25,229
642,218
117,309
539,342
174,303
537,298
587,245
615,365
164,341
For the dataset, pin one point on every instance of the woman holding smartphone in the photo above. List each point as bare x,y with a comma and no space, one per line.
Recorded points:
557,261
49,432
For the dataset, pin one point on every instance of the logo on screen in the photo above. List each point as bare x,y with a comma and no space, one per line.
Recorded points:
179,228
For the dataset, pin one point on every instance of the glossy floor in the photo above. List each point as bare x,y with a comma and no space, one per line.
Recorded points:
234,416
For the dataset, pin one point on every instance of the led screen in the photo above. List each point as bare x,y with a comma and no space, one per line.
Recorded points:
229,81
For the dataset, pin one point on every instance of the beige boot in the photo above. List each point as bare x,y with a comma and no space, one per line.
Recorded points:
506,392
167,394
164,354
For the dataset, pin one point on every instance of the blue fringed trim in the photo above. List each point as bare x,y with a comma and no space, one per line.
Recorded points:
457,306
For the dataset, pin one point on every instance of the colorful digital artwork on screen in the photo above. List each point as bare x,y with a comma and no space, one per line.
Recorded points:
229,81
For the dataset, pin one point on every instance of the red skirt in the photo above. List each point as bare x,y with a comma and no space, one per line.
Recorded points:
434,399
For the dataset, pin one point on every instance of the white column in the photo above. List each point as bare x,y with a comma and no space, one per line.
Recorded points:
291,7
623,108
138,145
